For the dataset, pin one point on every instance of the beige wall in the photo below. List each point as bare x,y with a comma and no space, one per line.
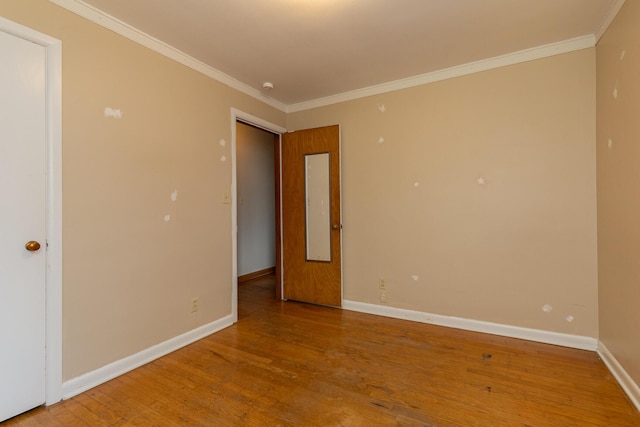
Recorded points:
128,274
618,113
415,211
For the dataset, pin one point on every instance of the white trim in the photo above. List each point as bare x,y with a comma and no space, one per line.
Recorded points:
547,337
119,27
112,370
237,115
341,218
624,379
234,219
255,121
53,278
613,12
449,73
54,225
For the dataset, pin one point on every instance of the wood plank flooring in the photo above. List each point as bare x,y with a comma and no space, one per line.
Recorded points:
292,364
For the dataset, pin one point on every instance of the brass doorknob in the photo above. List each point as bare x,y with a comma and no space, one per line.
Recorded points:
32,246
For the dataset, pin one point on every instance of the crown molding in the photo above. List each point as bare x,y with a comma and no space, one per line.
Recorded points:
613,12
119,27
531,54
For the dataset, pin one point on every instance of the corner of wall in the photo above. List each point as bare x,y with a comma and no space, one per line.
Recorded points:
620,374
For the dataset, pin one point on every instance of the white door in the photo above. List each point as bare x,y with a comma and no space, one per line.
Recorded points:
22,220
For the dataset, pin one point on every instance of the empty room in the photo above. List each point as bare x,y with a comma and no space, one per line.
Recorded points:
451,212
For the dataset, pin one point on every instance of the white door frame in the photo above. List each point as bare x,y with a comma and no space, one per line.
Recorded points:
237,115
53,275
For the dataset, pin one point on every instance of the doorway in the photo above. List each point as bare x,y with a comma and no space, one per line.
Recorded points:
239,118
258,185
314,279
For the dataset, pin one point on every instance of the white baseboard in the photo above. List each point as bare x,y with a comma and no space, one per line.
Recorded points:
101,375
620,374
547,337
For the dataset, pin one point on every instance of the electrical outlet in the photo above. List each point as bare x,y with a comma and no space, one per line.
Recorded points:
382,284
383,297
195,304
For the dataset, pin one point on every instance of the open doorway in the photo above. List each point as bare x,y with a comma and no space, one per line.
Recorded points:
256,196
276,131
257,172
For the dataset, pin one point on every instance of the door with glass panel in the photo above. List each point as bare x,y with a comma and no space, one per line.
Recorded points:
311,216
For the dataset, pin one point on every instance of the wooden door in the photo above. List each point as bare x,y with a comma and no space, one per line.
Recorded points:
22,220
309,277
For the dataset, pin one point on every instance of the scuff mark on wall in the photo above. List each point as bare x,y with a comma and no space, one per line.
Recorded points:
380,140
615,93
415,277
481,181
622,54
174,195
223,158
416,184
382,108
609,143
110,112
167,218
570,318
223,142
547,308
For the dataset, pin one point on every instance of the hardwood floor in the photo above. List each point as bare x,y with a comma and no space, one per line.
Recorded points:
292,364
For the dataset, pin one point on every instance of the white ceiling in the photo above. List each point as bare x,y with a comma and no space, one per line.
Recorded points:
312,49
